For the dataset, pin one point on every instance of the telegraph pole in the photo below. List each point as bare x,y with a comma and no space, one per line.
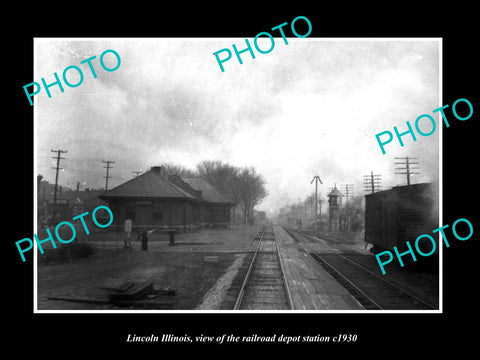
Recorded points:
316,178
372,182
346,189
108,167
137,173
58,157
408,168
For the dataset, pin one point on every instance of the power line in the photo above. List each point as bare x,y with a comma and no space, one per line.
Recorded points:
316,178
347,188
58,157
372,182
108,167
407,170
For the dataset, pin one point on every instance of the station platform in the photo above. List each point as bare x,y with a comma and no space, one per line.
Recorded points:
311,287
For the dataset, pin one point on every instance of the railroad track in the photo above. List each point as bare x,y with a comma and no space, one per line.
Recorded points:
264,286
370,290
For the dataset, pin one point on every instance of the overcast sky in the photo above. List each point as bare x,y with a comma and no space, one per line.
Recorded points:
311,107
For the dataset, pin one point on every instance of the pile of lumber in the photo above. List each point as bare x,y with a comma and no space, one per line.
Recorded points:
133,295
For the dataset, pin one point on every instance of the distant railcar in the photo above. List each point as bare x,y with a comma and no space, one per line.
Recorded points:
401,214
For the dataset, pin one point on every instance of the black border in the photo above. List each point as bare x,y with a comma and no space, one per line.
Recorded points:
384,334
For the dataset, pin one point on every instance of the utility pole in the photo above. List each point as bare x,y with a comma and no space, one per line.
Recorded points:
58,157
407,170
108,167
137,173
372,182
316,178
347,188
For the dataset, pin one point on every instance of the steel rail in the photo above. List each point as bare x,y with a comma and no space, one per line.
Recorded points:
287,289
336,271
384,280
362,293
239,300
240,297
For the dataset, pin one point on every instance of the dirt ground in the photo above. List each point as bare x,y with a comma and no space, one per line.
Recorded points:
200,267
197,266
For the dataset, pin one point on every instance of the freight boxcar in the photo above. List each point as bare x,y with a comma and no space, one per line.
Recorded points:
401,214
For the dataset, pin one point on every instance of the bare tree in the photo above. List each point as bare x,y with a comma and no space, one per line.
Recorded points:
243,185
174,169
218,174
250,188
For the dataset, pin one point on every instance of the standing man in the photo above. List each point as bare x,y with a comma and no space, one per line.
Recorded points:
128,230
144,239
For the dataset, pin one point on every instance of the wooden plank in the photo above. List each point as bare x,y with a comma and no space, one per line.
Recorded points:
168,292
89,301
305,297
136,292
125,286
311,287
164,304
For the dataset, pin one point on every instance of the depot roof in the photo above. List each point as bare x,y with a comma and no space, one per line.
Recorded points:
209,193
156,183
153,183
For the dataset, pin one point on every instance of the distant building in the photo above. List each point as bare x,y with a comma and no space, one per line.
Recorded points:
69,202
260,216
334,206
156,199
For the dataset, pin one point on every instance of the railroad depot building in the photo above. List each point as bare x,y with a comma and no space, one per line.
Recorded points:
156,199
